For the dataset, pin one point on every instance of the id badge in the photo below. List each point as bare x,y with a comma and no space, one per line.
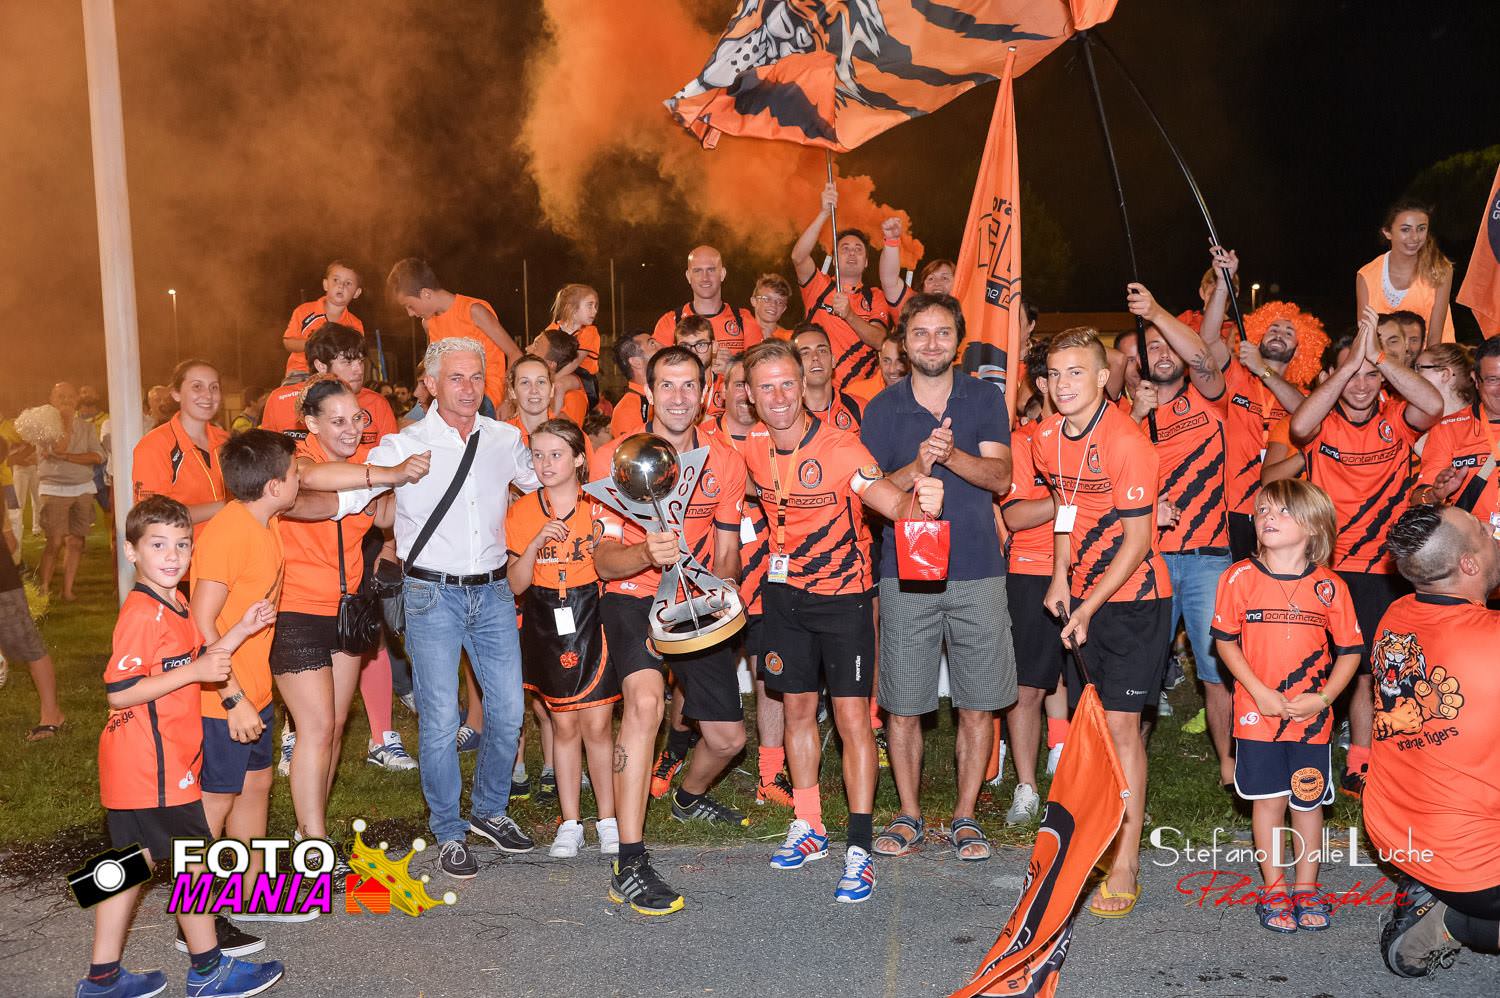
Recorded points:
780,565
1063,524
747,530
564,617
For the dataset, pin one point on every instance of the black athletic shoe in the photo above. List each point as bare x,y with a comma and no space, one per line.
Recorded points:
503,832
455,859
520,791
232,941
1411,942
705,808
546,789
636,883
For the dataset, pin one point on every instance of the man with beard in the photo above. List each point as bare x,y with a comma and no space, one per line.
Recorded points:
705,275
952,426
1181,405
837,408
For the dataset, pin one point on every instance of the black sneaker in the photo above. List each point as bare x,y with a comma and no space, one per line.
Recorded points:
520,791
546,788
503,832
232,941
455,859
636,883
1409,925
705,808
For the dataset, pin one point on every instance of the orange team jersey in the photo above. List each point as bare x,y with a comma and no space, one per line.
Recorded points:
312,553
715,396
1419,298
716,504
166,463
853,358
1189,434
150,755
1464,442
305,320
865,389
1252,411
244,556
458,320
731,331
630,414
821,524
575,406
1368,470
844,412
1030,549
587,338
754,541
568,564
1290,629
1433,784
1109,473
281,416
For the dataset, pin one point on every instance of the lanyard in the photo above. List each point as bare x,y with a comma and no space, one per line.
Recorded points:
562,573
1078,478
782,494
208,474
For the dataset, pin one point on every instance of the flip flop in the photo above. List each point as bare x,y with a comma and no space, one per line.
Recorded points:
1105,894
892,833
978,838
1306,903
42,732
1268,910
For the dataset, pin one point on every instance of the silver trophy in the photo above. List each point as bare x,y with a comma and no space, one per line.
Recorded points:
652,485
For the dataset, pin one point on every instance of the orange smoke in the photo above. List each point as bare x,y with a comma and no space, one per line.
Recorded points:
597,86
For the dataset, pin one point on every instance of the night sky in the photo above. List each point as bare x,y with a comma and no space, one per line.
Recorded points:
265,139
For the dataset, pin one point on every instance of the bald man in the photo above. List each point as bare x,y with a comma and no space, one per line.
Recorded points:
734,330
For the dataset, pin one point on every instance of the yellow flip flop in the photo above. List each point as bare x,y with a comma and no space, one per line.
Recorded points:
1105,894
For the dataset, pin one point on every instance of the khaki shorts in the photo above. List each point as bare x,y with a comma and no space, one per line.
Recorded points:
67,516
19,640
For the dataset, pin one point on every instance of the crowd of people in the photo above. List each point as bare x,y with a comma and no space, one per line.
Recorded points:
1317,518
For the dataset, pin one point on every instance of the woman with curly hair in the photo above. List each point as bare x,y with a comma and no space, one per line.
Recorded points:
1413,275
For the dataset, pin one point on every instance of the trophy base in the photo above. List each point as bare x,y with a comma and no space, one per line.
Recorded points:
685,642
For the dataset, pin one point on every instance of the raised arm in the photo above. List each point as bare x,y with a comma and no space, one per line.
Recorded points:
802,261
1316,407
1206,376
1212,330
490,326
890,260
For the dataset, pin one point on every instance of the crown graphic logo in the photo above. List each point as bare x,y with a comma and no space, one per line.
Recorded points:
380,884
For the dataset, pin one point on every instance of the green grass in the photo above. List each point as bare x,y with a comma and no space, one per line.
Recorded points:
49,793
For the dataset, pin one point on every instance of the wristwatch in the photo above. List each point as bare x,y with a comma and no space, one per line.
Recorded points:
229,702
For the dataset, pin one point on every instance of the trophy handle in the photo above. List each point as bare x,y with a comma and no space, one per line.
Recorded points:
666,527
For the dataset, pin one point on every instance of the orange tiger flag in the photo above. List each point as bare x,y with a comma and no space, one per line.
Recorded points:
987,282
1084,811
1481,287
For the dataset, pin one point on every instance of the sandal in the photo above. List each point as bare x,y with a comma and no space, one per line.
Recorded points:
1307,904
1278,907
975,840
42,732
1105,894
894,834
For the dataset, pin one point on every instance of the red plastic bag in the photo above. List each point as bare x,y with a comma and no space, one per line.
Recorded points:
921,548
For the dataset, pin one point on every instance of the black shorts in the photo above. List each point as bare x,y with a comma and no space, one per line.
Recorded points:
156,827
811,640
709,678
1298,771
1242,540
1036,633
226,761
568,671
755,630
1372,594
303,642
1125,654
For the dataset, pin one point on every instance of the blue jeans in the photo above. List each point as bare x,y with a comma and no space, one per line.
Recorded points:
1195,583
481,620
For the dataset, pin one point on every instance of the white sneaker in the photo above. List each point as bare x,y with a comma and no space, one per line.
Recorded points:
1000,769
1053,754
608,830
568,841
391,754
288,743
1023,805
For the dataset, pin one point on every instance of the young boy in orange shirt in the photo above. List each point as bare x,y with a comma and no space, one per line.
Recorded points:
340,289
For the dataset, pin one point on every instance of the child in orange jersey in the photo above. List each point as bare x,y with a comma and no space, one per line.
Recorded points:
340,289
1286,629
573,312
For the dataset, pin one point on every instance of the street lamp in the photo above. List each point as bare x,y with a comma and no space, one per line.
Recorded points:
177,342
1254,294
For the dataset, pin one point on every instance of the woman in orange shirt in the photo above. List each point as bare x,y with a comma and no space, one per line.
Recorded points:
180,458
1413,276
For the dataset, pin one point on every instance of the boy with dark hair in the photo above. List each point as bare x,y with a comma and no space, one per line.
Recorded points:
149,758
633,409
340,289
338,350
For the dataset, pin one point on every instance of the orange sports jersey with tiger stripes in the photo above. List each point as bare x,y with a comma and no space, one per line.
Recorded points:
458,320
305,320
282,415
565,564
311,548
754,541
822,525
1188,431
1368,469
150,755
1290,629
844,412
735,329
1110,474
630,413
717,503
588,345
1465,442
166,462
1253,409
1030,550
853,358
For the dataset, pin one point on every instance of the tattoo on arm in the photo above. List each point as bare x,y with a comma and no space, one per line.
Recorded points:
1199,362
620,758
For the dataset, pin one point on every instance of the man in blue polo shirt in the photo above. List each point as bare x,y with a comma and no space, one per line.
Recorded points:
940,421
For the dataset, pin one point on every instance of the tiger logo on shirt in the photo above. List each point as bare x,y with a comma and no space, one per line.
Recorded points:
1410,691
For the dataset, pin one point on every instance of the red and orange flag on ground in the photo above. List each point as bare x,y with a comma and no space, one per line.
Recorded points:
1083,814
1481,287
836,73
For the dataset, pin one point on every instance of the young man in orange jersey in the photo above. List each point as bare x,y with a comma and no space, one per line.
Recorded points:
857,317
835,407
1103,474
413,286
631,560
696,333
731,326
893,367
632,353
768,303
340,289
1357,443
1458,460
813,483
338,350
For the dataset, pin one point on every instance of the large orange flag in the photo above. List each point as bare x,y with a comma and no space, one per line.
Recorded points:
1084,810
1481,288
988,280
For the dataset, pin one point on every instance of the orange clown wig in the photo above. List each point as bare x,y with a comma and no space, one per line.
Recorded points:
1312,338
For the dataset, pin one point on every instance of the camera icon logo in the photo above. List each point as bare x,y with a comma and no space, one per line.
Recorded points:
109,873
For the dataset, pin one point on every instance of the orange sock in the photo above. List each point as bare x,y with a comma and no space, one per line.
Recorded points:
807,804
875,722
771,761
1359,758
1057,731
992,768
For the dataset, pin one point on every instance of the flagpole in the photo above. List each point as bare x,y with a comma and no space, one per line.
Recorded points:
833,220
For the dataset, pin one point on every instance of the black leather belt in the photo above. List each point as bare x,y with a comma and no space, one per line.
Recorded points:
444,579
1207,552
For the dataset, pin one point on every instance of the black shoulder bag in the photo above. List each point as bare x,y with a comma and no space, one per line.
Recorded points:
438,512
359,612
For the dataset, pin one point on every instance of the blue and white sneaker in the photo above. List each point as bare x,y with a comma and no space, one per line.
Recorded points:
858,881
127,985
802,845
288,743
390,754
234,979
468,739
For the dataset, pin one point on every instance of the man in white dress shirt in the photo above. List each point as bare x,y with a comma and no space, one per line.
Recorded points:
457,597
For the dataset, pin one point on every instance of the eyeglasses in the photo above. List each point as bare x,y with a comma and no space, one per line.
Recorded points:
769,299
702,346
1490,382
